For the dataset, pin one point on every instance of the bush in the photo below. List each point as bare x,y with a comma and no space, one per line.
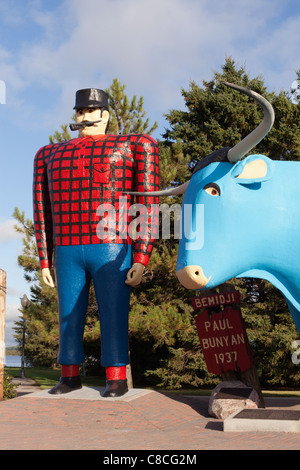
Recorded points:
9,388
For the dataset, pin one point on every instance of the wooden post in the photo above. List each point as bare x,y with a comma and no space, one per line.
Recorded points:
234,362
2,329
249,377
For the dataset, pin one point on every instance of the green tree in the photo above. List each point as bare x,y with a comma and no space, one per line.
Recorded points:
164,346
295,89
40,317
216,117
61,136
127,116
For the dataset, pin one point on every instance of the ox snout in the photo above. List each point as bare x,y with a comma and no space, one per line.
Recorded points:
192,277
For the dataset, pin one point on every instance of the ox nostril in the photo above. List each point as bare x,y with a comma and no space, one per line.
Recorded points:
192,277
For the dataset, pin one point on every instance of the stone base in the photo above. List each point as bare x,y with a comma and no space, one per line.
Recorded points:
279,420
90,393
230,396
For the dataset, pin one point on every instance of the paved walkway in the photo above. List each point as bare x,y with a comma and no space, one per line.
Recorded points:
25,386
141,420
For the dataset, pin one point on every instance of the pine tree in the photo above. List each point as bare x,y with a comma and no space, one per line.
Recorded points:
215,117
164,345
271,332
62,136
40,317
295,89
127,117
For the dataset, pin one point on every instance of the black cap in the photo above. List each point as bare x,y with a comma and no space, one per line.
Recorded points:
91,98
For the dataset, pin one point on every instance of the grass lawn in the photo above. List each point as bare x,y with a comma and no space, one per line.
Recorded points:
47,378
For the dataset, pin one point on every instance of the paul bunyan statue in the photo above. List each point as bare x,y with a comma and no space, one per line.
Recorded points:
81,186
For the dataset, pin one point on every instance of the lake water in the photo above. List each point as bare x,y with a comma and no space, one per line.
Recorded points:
13,361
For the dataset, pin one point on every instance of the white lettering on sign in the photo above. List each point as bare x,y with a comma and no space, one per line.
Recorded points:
228,357
222,341
215,300
218,325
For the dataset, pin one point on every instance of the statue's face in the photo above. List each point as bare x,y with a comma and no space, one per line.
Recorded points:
92,114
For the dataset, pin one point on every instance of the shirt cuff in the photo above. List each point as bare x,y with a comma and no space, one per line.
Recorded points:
140,258
45,264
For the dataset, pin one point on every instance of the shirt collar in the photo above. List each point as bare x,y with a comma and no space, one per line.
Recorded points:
96,137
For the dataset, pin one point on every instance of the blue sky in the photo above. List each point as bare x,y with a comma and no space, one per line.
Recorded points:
49,49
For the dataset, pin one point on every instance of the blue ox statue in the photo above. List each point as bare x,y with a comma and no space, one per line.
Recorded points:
251,218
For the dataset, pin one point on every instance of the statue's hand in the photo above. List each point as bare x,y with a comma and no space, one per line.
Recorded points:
47,278
135,274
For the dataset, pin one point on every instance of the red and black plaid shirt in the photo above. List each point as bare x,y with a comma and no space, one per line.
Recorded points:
73,179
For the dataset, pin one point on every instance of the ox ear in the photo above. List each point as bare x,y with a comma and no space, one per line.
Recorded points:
253,169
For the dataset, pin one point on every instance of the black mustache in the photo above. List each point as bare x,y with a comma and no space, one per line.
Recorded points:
80,125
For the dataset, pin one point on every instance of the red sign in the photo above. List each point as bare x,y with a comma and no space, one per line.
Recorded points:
224,341
204,301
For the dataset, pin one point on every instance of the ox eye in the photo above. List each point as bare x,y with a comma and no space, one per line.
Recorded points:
213,189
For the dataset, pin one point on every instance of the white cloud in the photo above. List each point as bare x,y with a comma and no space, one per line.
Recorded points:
7,231
12,313
151,45
277,54
155,47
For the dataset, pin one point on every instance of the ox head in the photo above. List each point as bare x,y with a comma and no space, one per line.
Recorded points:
223,217
218,182
214,194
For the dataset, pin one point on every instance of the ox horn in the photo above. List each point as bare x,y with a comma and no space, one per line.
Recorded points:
165,192
251,140
240,149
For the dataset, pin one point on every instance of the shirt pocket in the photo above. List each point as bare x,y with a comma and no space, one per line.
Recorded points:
101,173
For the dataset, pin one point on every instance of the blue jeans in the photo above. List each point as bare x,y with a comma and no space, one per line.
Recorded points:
107,265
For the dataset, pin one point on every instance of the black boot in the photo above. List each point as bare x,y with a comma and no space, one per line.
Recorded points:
115,388
66,385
